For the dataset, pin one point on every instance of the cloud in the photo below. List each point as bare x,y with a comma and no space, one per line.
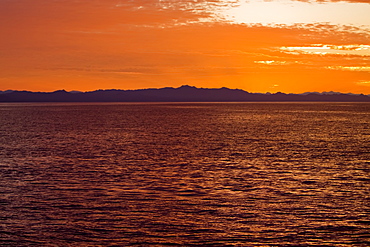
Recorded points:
357,68
271,62
334,1
354,49
364,83
108,12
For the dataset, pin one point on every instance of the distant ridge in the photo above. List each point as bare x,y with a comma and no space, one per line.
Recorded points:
182,94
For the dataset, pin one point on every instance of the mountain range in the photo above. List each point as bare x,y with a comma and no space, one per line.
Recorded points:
181,94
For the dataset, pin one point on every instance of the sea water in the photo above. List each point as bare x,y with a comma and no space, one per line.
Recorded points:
186,174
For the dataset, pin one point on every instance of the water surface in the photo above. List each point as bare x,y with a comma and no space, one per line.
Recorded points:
234,174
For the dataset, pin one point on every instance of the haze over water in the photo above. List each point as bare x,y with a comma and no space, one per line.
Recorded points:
217,174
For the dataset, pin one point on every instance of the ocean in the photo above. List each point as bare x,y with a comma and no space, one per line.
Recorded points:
184,174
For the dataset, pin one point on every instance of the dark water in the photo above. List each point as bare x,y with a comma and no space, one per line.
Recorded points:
254,174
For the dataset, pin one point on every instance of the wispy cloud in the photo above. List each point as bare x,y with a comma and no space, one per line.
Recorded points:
349,68
334,1
364,83
291,12
271,62
321,49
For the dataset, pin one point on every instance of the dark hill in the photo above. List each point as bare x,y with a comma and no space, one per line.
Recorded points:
168,94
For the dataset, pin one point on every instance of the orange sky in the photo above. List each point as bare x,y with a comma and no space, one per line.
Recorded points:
48,45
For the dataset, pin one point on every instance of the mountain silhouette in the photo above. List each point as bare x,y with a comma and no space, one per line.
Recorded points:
182,94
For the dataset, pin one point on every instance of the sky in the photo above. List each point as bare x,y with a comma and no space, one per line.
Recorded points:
290,46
